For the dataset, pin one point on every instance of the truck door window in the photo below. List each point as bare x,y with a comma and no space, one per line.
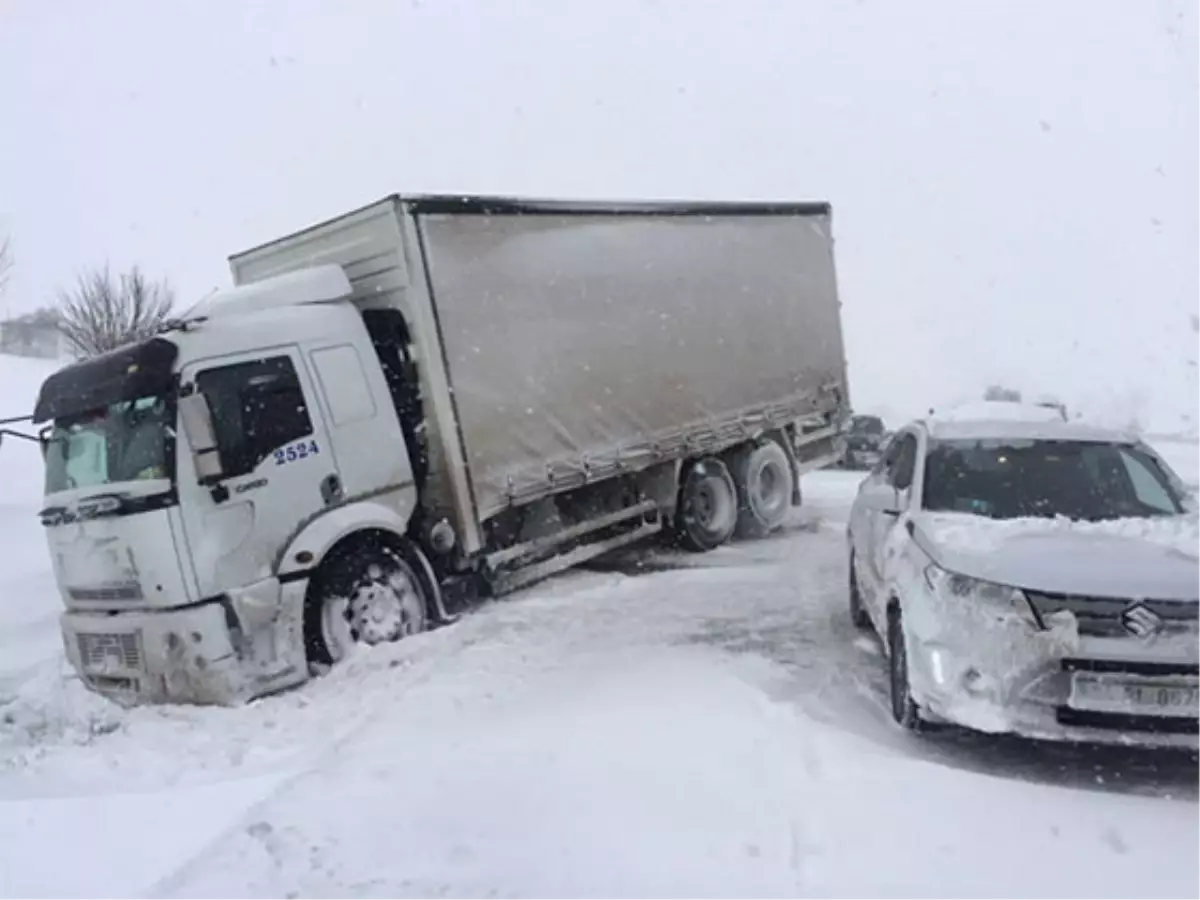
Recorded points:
257,407
344,383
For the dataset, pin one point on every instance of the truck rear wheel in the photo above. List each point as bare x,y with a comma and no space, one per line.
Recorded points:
707,511
371,595
763,475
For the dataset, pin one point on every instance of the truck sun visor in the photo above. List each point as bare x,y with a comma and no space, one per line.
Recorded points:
139,370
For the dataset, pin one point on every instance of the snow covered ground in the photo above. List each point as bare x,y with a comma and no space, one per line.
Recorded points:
28,603
709,726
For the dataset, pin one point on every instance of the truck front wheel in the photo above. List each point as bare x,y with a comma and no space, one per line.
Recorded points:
371,595
707,511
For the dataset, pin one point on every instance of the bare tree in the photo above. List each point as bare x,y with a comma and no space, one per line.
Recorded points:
6,262
101,314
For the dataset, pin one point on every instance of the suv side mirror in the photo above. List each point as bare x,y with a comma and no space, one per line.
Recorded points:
196,419
881,498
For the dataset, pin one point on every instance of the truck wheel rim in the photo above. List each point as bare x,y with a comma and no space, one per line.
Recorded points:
386,607
712,506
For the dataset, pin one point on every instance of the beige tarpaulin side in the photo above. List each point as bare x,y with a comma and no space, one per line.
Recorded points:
582,342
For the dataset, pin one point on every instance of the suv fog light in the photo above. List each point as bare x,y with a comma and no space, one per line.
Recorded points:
936,667
977,684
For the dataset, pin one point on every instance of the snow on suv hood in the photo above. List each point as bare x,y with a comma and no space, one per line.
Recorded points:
1146,558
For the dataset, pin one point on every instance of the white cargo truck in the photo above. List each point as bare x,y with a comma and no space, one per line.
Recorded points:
422,402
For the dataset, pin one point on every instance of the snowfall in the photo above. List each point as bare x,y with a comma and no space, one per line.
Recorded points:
658,726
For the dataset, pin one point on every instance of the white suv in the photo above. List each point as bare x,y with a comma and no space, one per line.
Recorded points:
1031,577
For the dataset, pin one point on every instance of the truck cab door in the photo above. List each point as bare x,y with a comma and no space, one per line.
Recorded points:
278,468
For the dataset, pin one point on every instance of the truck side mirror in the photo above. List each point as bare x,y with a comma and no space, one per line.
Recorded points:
196,419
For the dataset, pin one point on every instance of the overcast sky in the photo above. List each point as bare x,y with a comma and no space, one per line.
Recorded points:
1014,184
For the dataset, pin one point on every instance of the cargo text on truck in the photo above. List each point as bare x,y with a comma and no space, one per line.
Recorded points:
425,401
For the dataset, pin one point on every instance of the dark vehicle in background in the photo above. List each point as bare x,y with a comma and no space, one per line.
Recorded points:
865,438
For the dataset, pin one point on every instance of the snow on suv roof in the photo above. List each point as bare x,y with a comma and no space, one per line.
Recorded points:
1015,429
1002,411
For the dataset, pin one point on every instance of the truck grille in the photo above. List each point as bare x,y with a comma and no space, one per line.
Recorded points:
1121,617
107,651
131,591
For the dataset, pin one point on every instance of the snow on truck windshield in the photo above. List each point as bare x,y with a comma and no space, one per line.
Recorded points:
125,441
1040,478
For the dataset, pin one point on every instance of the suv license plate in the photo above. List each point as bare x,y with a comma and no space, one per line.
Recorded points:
1139,697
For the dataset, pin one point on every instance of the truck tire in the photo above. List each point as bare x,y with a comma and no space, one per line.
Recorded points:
706,514
763,475
372,595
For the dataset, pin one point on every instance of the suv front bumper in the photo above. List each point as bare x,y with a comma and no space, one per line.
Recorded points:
1094,693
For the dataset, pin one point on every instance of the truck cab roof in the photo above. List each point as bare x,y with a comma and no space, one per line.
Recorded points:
320,284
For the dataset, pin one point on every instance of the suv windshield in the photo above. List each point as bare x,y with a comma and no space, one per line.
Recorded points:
122,442
1075,479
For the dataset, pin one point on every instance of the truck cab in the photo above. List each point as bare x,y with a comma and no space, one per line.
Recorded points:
174,559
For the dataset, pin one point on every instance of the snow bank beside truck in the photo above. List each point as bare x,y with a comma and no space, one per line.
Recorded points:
29,604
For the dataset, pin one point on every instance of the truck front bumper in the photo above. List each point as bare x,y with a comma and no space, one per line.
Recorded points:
223,652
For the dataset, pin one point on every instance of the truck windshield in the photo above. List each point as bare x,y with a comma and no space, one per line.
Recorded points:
1040,478
126,441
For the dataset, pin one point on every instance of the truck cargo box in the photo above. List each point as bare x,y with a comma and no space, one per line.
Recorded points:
575,340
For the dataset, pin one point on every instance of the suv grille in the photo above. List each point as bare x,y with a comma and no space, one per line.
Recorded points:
1120,617
100,594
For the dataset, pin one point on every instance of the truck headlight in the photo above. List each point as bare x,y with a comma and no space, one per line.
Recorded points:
999,598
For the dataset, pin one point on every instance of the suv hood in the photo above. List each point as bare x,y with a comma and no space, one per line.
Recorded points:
1126,558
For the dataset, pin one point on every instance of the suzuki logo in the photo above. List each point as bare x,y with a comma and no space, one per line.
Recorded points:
1141,621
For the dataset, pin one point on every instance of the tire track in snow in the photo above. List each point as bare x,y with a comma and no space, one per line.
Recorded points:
484,627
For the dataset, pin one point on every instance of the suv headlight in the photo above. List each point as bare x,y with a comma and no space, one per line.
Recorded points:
999,598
